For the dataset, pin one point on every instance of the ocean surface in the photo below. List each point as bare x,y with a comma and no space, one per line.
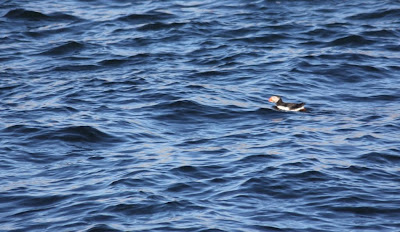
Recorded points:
154,115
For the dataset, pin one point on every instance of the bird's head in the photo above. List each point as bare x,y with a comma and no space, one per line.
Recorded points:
274,99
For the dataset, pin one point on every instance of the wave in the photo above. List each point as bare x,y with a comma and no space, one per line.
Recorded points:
368,98
268,38
139,58
149,16
100,227
153,115
185,109
366,210
160,26
21,129
377,14
380,158
181,206
381,33
81,134
322,33
29,15
179,110
75,68
113,62
65,48
351,40
202,172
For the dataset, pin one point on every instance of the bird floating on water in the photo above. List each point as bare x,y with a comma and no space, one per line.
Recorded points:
287,106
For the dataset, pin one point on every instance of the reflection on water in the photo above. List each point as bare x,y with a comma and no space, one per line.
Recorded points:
154,116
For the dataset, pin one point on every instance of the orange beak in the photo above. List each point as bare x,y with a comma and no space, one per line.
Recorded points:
270,100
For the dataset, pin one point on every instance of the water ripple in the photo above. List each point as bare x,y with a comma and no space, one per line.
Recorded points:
154,116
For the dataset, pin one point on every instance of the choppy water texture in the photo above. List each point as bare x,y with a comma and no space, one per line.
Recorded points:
153,115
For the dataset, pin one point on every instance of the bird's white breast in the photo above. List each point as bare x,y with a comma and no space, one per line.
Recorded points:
288,109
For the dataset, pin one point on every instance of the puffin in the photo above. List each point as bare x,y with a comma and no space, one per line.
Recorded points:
287,106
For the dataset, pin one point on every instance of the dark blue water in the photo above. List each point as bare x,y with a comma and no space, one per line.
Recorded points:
154,115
